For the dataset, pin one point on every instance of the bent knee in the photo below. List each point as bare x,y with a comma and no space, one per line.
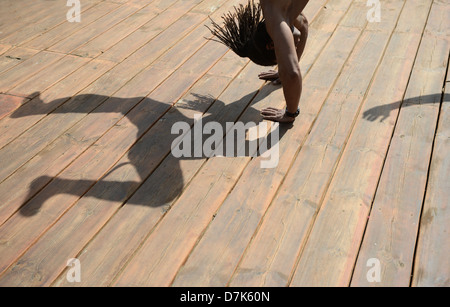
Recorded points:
303,23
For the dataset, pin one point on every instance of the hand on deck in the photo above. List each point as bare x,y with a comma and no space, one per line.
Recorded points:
271,75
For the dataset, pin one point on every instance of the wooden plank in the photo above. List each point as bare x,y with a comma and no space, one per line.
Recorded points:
186,169
271,258
15,11
432,266
168,245
124,175
239,216
96,28
9,103
131,232
47,101
52,18
160,247
210,7
356,15
273,253
321,29
53,36
37,137
26,13
195,206
329,255
57,156
4,48
15,189
140,214
393,225
27,69
15,56
150,32
21,14
140,112
236,221
112,36
48,76
140,60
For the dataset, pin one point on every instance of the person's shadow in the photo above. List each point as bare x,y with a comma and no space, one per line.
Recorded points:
151,155
383,112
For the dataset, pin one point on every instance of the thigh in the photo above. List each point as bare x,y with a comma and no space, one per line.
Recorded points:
297,8
281,33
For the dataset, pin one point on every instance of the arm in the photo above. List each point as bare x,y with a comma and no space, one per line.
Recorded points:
289,69
300,38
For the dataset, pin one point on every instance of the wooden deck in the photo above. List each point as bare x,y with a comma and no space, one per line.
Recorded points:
86,171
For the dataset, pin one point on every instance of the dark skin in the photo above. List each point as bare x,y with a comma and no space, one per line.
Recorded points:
280,16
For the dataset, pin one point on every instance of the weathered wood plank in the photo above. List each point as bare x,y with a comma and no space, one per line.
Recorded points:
92,170
96,28
27,69
58,155
15,11
153,50
163,273
18,188
53,17
272,253
271,257
47,77
330,253
140,214
109,38
149,34
53,36
109,199
321,29
14,56
210,7
432,266
393,225
4,48
27,14
240,214
120,224
9,103
55,96
314,8
37,137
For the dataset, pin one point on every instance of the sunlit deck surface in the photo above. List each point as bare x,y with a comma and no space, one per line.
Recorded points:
359,196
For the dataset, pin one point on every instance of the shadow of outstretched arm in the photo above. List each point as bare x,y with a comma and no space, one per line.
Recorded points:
383,112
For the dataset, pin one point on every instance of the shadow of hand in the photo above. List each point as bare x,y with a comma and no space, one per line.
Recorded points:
383,112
